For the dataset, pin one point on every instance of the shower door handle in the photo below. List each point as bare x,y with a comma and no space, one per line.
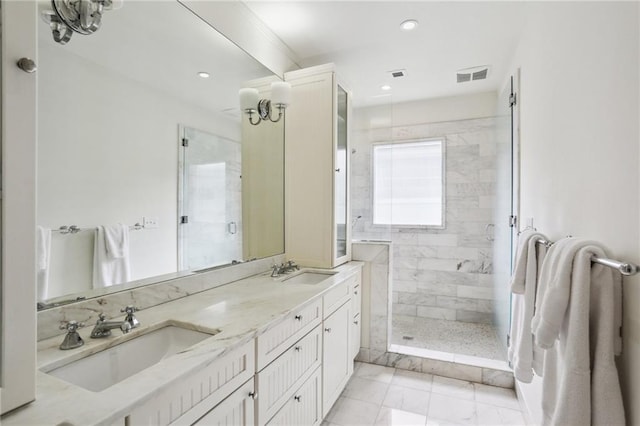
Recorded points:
489,231
232,228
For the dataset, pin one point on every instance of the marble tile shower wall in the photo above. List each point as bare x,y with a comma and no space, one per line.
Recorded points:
439,273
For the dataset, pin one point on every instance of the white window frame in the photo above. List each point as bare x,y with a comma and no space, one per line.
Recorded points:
443,143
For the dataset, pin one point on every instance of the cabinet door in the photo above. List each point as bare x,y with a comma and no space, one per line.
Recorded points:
236,410
341,211
354,339
336,360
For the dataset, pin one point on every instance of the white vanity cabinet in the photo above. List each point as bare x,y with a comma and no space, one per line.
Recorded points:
188,400
318,226
340,337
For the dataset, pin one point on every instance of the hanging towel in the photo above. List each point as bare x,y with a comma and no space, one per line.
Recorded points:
524,356
116,240
43,255
578,320
111,256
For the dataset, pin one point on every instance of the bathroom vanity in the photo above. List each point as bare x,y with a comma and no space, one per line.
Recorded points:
275,351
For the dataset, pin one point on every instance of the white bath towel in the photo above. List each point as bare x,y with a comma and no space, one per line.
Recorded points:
111,256
116,238
578,321
524,356
43,256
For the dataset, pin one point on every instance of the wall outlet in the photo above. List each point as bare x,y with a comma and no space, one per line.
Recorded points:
150,222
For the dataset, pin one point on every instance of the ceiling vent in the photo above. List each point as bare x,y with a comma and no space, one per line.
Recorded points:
472,74
398,73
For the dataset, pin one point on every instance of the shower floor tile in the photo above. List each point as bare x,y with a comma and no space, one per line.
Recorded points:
455,337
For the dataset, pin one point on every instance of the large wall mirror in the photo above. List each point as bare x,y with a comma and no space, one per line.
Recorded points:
144,157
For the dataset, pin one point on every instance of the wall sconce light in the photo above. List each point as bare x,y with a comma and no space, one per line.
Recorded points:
80,16
250,102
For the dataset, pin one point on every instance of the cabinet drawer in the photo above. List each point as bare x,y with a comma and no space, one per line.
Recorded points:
335,298
189,398
277,382
303,407
236,410
278,339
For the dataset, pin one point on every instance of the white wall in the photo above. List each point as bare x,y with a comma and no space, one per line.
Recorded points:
108,153
580,141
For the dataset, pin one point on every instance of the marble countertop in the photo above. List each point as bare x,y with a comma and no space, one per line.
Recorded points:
242,310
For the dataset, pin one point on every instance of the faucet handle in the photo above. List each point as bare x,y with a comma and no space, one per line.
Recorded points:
130,318
129,309
72,339
71,326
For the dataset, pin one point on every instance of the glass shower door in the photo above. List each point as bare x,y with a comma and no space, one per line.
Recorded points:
210,229
505,213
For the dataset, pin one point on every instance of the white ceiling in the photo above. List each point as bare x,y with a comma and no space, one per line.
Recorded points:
365,41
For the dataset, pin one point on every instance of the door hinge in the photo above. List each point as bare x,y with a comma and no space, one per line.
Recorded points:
185,142
513,221
184,219
513,99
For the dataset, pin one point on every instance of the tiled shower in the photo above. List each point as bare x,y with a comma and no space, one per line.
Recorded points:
442,279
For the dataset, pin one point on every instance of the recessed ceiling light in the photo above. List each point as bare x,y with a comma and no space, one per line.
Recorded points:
204,74
409,24
386,87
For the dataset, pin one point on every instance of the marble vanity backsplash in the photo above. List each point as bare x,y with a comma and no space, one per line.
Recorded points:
87,312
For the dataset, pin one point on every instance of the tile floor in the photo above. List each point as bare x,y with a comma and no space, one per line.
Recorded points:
378,395
456,337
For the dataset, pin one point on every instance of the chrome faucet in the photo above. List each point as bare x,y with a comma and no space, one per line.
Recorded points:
103,328
284,268
290,267
72,339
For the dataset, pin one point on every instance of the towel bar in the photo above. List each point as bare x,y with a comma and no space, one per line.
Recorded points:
625,268
73,229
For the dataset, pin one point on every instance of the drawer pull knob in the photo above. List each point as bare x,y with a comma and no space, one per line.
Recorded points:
328,330
298,317
298,398
298,348
253,395
355,292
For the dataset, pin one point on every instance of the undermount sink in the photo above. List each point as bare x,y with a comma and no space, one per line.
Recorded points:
309,277
104,369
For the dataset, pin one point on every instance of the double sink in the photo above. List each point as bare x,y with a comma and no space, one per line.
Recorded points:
101,370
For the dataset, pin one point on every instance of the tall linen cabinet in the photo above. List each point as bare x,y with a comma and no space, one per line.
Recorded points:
318,225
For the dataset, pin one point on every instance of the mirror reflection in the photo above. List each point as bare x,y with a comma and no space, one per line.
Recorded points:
144,169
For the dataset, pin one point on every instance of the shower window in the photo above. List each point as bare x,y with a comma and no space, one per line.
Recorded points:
408,183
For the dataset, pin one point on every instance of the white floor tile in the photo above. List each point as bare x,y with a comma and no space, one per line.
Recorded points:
407,399
491,415
394,417
501,397
393,397
366,390
444,409
412,379
379,373
453,387
351,412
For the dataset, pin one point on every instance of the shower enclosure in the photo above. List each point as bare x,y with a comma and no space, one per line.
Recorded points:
210,200
449,274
